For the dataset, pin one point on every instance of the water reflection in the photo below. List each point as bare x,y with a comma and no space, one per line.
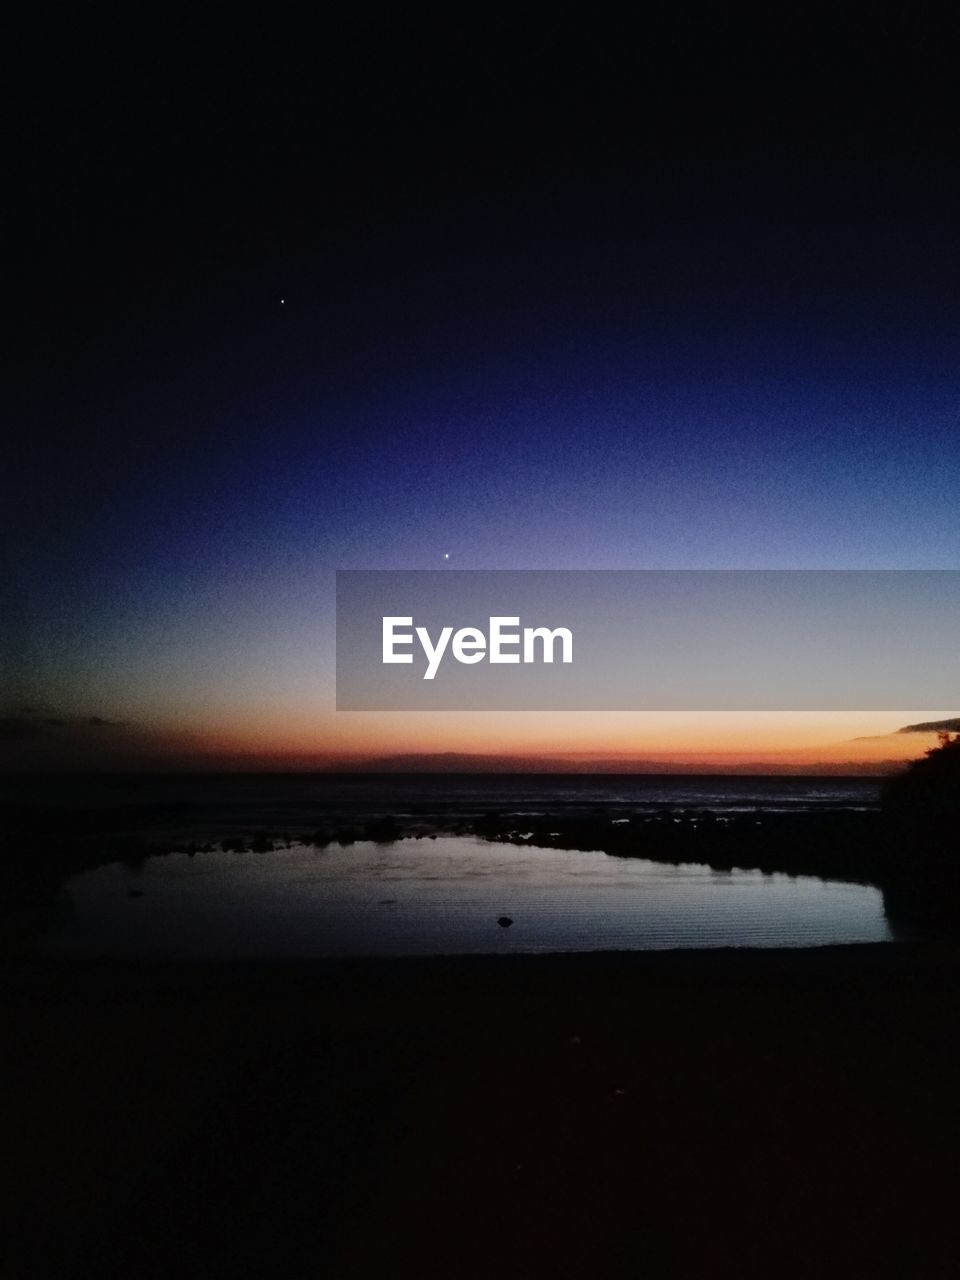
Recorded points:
422,897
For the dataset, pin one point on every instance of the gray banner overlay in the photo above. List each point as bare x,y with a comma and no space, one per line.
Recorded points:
653,640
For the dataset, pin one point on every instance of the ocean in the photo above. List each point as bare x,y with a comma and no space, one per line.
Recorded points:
213,806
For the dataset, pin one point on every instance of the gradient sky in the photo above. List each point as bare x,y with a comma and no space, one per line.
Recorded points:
359,294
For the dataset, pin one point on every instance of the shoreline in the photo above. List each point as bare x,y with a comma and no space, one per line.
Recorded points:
36,970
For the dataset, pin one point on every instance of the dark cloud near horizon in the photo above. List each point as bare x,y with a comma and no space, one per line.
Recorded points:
17,728
29,723
43,740
950,725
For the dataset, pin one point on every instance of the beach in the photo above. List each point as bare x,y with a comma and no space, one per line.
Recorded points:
731,1113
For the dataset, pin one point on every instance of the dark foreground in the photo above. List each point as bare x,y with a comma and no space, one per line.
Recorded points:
724,1114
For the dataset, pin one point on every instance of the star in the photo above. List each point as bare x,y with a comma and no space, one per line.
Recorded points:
446,555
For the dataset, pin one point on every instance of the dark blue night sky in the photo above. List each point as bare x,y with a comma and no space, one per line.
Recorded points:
360,296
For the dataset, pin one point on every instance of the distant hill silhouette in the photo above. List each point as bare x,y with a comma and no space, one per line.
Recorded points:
465,762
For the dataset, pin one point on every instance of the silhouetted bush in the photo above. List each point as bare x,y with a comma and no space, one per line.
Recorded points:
922,805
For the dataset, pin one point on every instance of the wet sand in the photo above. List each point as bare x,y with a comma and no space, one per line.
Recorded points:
665,1114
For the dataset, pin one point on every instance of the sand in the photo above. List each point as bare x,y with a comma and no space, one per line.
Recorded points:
673,1114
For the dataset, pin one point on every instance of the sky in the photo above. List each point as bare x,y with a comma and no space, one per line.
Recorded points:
295,295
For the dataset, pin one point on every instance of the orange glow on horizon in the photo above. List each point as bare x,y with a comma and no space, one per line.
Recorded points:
564,739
